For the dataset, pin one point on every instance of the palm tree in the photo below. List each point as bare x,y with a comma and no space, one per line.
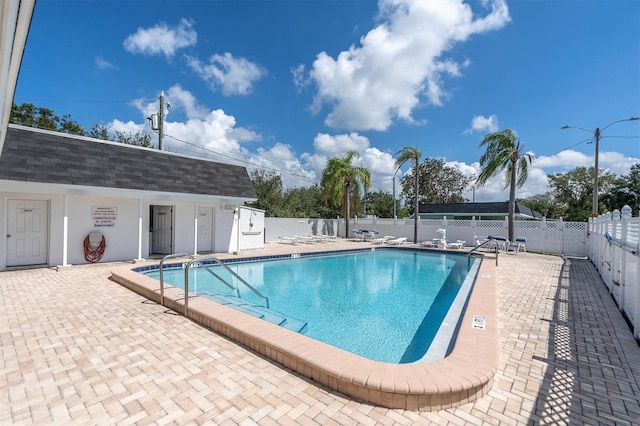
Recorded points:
342,182
405,154
504,152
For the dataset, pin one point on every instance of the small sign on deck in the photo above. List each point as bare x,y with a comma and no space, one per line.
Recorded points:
479,322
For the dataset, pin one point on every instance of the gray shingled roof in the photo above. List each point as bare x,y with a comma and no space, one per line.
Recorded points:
469,209
37,156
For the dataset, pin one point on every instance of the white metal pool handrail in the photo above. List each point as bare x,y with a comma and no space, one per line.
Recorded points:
476,248
169,256
219,262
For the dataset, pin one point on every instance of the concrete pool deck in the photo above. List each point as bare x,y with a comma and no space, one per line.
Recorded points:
78,347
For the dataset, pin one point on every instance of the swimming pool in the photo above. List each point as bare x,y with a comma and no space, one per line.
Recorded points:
386,305
462,374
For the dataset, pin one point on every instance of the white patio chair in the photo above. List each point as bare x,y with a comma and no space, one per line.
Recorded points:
517,245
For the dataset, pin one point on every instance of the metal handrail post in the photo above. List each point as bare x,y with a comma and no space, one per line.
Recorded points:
474,249
169,256
186,285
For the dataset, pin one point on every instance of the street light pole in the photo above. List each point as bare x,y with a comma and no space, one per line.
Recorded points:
395,216
597,133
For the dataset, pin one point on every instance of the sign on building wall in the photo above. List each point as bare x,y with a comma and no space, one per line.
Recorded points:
104,217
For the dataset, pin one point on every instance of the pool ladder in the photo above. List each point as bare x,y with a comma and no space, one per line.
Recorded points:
200,262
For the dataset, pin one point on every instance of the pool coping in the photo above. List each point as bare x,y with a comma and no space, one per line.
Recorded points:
463,376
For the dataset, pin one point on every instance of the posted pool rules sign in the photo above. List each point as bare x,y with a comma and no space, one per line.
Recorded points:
104,217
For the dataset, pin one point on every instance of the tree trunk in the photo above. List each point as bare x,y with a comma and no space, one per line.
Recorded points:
415,207
348,213
512,201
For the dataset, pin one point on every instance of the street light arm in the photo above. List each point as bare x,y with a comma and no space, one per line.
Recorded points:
594,131
576,127
619,121
597,134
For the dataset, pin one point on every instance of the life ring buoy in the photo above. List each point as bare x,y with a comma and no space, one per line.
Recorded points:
94,246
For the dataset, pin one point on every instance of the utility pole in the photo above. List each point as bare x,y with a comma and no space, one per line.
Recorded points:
594,208
161,121
597,133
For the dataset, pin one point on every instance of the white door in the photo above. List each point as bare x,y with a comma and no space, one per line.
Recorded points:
205,229
27,232
161,229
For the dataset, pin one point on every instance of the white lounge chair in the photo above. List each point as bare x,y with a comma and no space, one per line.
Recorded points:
306,240
382,240
397,241
288,240
457,245
359,235
431,244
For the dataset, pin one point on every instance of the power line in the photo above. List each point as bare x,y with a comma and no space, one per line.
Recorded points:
564,149
260,166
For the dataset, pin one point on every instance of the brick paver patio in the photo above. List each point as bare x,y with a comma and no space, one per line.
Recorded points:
78,348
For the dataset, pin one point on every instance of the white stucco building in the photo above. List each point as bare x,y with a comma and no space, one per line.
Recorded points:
57,189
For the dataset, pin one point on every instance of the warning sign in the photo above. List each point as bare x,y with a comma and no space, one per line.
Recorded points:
104,217
479,322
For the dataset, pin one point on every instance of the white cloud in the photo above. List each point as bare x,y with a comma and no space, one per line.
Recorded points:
223,140
616,162
162,39
102,64
235,76
183,99
336,145
281,157
399,64
205,133
125,127
480,123
300,79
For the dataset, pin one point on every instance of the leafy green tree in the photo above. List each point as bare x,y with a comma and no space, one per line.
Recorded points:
409,153
379,204
268,186
30,115
67,125
545,204
308,202
505,153
573,191
99,131
23,115
624,191
438,183
130,138
138,138
343,183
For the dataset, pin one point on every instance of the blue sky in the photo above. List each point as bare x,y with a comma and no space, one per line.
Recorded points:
285,85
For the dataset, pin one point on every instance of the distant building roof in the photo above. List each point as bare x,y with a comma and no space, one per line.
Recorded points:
33,155
478,209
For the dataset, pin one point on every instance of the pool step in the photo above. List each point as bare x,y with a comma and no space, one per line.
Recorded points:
261,312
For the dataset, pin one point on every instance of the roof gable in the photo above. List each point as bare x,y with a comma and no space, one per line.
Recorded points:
32,155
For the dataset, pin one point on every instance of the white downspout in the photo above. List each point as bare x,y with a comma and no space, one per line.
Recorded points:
140,229
65,230
238,232
195,229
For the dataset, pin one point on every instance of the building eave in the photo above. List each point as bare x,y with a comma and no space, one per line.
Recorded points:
14,28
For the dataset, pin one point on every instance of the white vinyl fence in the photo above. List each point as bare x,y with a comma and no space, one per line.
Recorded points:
613,249
545,236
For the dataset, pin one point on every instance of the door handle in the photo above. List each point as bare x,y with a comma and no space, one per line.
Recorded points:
9,236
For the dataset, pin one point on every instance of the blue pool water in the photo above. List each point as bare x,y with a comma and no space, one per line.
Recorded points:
385,305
